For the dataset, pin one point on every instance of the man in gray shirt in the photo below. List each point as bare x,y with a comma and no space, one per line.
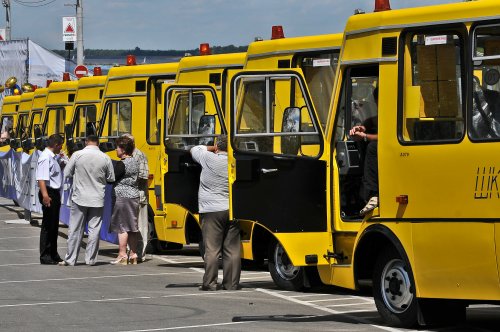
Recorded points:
91,169
219,233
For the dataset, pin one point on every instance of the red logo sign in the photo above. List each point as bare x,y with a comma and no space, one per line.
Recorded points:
69,29
81,71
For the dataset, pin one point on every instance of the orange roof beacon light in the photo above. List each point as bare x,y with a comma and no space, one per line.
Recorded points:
131,60
205,49
382,5
48,83
97,71
66,77
277,32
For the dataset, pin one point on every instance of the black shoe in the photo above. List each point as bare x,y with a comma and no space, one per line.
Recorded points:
48,262
57,259
209,289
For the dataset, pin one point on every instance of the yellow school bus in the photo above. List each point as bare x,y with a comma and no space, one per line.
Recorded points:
85,111
315,56
7,121
426,80
58,108
195,116
25,105
132,104
26,125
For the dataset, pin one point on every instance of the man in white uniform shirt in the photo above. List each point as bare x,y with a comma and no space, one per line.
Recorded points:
49,177
91,169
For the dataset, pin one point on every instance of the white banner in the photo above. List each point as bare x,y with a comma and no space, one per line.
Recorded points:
44,65
69,29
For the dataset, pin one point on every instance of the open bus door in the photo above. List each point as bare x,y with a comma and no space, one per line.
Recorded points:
278,170
194,117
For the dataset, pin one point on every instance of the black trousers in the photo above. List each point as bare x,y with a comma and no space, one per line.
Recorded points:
370,178
50,226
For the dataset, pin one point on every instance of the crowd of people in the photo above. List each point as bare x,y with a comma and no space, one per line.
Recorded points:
91,170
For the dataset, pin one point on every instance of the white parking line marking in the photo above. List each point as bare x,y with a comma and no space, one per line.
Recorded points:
309,295
21,227
20,264
346,305
190,326
19,237
90,278
122,299
332,311
334,299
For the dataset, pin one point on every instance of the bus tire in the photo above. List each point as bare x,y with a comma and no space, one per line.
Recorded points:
394,290
285,275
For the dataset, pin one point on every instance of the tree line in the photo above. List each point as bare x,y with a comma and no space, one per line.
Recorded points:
99,53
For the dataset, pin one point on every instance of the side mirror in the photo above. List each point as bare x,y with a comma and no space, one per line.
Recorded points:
14,143
107,146
91,128
37,131
290,124
27,144
206,126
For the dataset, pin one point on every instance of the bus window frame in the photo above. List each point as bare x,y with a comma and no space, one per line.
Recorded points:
192,90
166,79
45,121
31,125
470,71
75,118
102,121
458,29
296,64
286,74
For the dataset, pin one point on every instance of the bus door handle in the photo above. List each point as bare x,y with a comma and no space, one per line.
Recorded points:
268,170
189,165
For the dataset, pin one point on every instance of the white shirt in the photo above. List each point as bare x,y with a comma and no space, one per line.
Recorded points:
48,169
213,195
90,169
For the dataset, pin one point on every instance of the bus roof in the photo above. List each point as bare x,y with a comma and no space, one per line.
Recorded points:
204,62
142,70
413,17
293,45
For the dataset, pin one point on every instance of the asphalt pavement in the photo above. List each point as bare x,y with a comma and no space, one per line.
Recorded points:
162,294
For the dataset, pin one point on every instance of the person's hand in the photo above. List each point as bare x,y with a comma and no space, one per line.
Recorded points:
357,133
46,200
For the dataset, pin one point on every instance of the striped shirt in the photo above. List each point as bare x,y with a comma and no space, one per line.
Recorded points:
213,195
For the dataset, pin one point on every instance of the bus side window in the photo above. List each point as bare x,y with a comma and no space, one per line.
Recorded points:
432,89
485,113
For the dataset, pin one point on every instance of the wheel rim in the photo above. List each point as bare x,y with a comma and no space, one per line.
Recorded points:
284,267
396,286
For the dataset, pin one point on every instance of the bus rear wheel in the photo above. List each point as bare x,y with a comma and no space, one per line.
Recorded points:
285,275
394,290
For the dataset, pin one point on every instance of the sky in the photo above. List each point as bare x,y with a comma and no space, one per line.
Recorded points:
183,24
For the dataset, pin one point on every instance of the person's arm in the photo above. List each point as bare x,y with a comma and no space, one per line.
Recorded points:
197,152
118,169
42,175
69,169
110,172
45,195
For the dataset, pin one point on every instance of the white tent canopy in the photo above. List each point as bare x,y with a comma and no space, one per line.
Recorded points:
29,62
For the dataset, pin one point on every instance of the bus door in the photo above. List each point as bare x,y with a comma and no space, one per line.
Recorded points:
83,125
52,124
194,117
277,176
21,130
357,107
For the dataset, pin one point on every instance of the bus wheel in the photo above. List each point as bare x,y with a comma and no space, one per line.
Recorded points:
285,275
394,290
